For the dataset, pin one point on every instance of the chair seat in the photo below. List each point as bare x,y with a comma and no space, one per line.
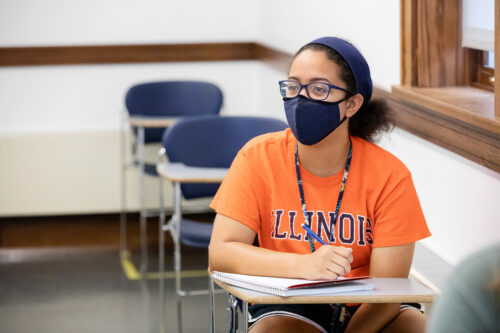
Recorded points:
196,234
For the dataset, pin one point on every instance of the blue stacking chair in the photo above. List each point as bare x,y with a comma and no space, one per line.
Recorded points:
203,142
163,99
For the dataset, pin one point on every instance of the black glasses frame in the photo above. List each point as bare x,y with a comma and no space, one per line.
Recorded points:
302,86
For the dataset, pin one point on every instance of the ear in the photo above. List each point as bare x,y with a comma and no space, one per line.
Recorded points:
353,104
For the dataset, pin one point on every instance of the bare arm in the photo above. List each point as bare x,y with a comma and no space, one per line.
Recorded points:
231,250
392,261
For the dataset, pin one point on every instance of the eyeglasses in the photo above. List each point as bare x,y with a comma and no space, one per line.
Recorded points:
315,90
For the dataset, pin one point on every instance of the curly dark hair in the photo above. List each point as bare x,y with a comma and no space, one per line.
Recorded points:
375,116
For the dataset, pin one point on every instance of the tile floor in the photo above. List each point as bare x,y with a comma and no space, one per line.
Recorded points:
85,289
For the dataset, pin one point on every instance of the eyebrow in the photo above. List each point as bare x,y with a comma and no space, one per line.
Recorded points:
312,80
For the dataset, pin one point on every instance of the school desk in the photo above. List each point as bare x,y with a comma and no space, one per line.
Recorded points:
386,290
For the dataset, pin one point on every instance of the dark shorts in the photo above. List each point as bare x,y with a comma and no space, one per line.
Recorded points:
320,316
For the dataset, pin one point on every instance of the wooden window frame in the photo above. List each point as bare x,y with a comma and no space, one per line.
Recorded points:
485,76
438,98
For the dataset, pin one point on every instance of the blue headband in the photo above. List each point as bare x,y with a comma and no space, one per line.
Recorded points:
355,60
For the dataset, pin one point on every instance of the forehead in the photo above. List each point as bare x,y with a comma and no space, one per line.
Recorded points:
312,64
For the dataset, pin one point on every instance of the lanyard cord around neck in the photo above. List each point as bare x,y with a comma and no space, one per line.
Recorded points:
341,192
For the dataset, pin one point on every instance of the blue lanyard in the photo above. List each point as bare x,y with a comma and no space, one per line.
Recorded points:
341,192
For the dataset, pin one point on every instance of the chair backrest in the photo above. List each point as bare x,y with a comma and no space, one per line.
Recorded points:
172,99
212,141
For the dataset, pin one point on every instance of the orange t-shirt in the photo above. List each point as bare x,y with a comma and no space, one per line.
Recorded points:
380,206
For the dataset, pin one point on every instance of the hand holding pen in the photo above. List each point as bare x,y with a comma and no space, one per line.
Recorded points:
327,262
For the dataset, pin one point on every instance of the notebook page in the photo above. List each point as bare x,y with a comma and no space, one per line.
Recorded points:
272,282
283,286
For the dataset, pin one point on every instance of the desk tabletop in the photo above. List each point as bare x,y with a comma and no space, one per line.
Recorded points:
386,290
186,174
151,122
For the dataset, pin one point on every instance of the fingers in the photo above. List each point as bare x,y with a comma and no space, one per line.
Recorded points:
340,260
339,269
329,262
345,252
329,275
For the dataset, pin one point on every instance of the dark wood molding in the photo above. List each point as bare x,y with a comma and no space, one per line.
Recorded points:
461,137
110,54
275,58
62,231
471,105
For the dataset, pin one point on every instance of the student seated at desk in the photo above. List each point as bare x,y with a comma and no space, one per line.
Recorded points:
324,171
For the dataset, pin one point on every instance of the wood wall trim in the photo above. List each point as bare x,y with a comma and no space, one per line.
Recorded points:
471,105
111,54
278,59
477,139
458,136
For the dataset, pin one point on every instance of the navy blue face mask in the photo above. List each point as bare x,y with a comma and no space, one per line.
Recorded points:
311,121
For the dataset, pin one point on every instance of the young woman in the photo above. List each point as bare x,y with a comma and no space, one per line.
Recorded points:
326,172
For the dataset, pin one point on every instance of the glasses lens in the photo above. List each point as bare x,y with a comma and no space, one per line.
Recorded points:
289,89
318,90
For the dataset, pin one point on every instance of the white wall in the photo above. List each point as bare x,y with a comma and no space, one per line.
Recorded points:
59,139
459,197
373,26
49,99
93,22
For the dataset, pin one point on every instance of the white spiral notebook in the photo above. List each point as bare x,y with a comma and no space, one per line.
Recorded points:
292,287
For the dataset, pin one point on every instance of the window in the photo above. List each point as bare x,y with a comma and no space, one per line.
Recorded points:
485,73
447,91
478,34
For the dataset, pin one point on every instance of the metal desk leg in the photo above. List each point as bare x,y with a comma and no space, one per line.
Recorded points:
212,303
123,189
233,313
144,249
161,254
245,316
176,235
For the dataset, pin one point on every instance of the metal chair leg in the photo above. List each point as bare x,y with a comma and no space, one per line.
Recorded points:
176,234
123,190
161,264
145,306
143,217
233,314
245,316
211,300
179,314
177,269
